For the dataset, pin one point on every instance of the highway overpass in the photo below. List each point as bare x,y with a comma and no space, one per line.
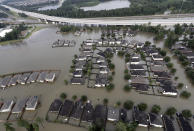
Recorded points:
153,20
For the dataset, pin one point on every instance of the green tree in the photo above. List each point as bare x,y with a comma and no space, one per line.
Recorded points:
127,88
74,97
128,104
185,94
155,109
120,126
84,98
167,59
142,106
8,126
105,101
187,113
171,111
63,96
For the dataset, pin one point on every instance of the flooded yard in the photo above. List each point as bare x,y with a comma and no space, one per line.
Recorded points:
36,53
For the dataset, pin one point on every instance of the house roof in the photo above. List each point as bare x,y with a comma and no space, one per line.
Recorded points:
169,88
100,112
113,113
101,54
42,76
77,110
141,87
140,116
183,123
66,108
138,72
6,104
158,68
78,80
155,119
136,66
55,106
162,74
168,124
32,101
139,80
5,81
14,79
19,106
88,113
123,115
23,77
33,76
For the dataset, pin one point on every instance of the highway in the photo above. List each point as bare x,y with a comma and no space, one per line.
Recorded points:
165,20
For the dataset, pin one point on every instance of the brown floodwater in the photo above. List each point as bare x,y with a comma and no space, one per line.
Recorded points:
35,53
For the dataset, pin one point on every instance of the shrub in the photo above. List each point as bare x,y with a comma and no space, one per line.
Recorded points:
127,88
66,82
173,70
167,59
74,97
185,94
126,71
127,77
105,101
171,111
121,53
180,85
169,65
84,98
110,87
128,104
111,66
142,106
63,96
187,113
156,109
163,52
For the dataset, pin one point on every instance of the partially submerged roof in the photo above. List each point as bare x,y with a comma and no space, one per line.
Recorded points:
183,123
139,80
20,105
155,120
33,77
140,117
66,108
32,102
7,105
55,106
77,110
113,114
100,113
88,113
168,124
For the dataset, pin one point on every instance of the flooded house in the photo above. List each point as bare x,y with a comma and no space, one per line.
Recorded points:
168,124
78,74
139,45
77,81
89,42
100,113
19,106
154,68
140,117
139,80
155,120
136,67
65,111
33,77
100,60
14,80
143,88
50,77
7,106
80,65
76,114
103,65
5,81
104,70
32,103
168,90
81,57
189,55
23,78
54,110
134,61
152,51
113,114
101,54
42,77
183,123
162,75
136,73
157,58
87,116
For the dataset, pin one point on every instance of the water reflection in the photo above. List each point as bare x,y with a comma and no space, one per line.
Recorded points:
109,5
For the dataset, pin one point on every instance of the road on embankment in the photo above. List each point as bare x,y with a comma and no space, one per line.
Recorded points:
167,20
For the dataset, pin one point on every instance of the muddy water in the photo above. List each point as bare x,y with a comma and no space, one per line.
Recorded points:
35,53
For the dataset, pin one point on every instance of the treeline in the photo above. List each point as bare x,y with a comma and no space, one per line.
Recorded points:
68,28
159,31
14,35
137,7
3,15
